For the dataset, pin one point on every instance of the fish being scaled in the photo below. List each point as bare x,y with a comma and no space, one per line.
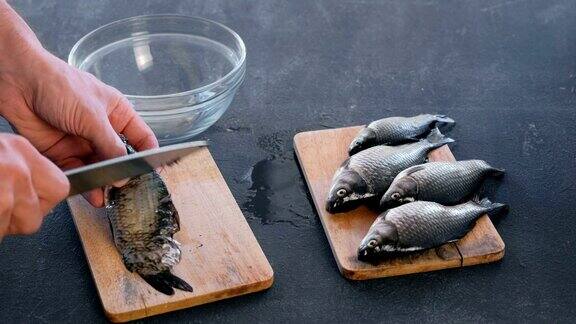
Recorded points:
447,183
397,130
368,174
421,225
143,221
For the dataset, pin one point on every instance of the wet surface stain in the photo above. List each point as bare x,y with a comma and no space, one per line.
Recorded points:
238,129
276,191
275,188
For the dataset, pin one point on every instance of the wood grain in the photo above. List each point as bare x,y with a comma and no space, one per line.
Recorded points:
320,153
220,255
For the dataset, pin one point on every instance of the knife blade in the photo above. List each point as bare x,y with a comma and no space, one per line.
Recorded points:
106,172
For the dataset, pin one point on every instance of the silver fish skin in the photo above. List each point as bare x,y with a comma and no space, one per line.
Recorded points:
143,220
421,225
368,174
397,130
447,183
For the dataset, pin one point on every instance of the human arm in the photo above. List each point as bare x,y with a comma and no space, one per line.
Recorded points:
67,115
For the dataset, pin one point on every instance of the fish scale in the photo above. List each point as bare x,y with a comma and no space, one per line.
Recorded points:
421,225
367,174
426,224
143,220
443,182
132,214
395,129
379,165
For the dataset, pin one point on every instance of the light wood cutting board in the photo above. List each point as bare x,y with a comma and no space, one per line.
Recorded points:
320,153
220,255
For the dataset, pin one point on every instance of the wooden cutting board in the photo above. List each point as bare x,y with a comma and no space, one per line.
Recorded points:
320,153
220,255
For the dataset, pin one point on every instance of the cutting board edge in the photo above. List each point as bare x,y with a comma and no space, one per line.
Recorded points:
377,273
361,274
316,203
257,286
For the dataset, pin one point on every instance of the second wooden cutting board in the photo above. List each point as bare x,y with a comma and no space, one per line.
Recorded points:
320,153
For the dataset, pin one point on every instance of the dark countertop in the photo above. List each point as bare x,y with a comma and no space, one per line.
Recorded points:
505,70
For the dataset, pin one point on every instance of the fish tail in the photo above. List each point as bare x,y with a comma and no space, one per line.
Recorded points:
492,208
437,139
165,282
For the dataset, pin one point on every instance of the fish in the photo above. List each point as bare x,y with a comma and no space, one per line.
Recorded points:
421,225
398,130
447,183
367,175
143,221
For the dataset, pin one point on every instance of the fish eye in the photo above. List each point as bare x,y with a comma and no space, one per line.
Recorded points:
395,196
372,243
341,192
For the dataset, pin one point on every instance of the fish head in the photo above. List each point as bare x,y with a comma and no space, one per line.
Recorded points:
365,139
401,191
348,190
381,239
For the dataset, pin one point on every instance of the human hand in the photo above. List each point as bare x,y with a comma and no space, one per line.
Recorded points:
68,115
31,186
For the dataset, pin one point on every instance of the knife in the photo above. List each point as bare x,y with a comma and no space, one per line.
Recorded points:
106,172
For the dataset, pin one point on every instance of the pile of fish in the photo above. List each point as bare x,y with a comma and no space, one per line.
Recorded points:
143,220
424,204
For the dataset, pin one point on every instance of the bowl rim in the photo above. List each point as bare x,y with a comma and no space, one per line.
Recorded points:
237,67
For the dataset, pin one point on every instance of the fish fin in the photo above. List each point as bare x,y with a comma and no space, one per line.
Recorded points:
460,235
444,121
165,282
174,213
157,283
176,282
167,199
167,203
498,173
413,169
174,162
437,139
176,216
129,148
492,208
111,228
476,198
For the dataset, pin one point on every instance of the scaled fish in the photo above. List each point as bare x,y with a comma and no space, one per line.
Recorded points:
143,220
421,225
447,183
368,174
397,130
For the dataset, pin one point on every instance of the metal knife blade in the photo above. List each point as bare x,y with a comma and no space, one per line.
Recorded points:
106,172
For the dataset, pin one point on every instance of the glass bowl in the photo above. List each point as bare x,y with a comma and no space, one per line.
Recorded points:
180,73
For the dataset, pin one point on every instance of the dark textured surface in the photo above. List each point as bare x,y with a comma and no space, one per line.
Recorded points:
505,70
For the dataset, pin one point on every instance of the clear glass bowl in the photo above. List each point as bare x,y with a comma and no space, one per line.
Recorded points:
180,73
